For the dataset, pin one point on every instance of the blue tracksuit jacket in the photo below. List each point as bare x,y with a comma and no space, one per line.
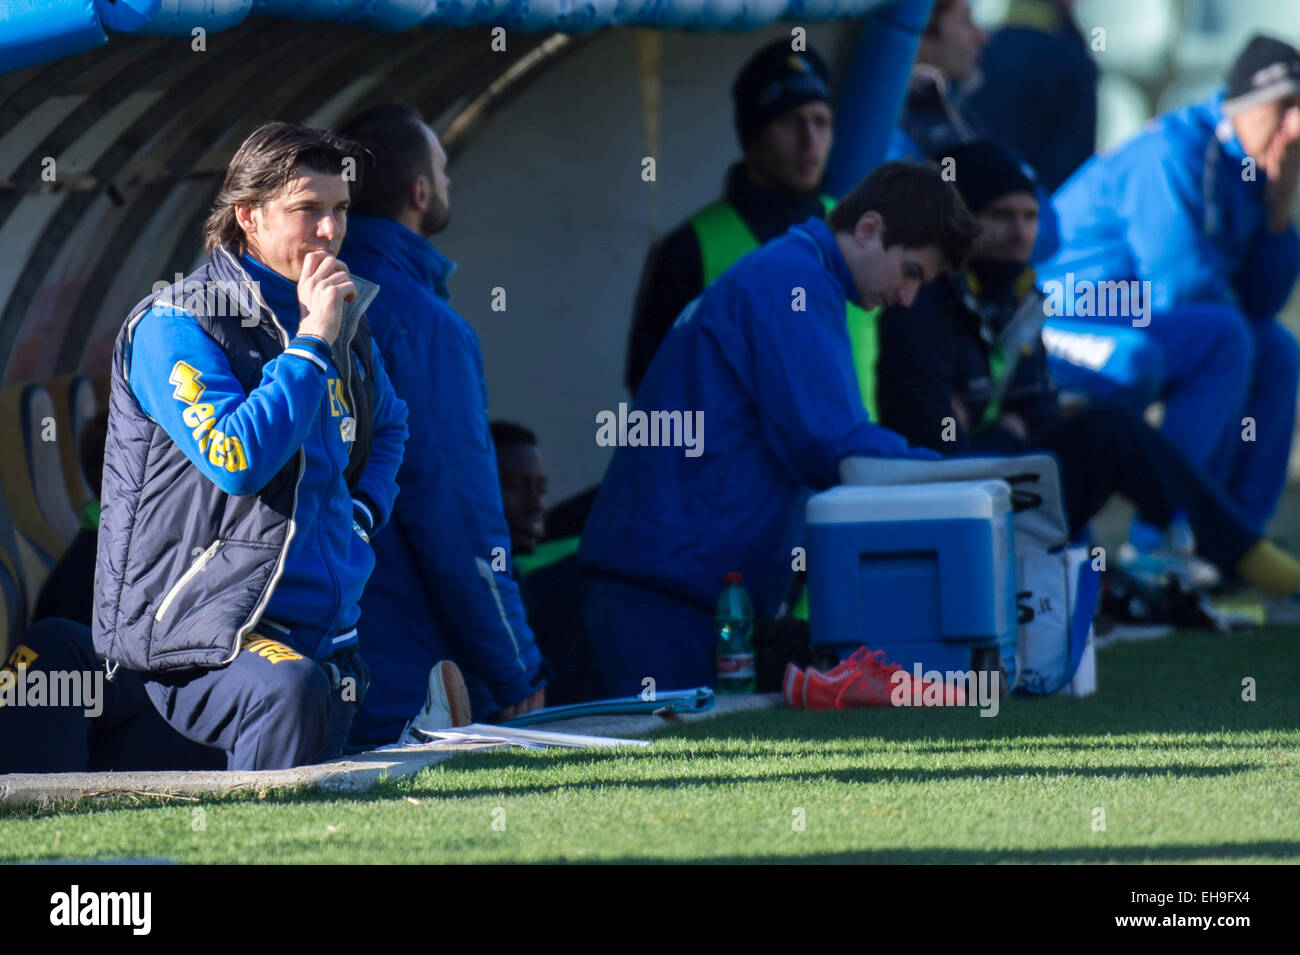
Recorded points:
327,564
1151,210
781,407
443,588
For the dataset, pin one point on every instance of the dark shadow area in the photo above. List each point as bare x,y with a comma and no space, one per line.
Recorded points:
1119,854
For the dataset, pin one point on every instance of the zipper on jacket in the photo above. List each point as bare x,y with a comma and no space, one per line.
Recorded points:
336,587
199,563
293,511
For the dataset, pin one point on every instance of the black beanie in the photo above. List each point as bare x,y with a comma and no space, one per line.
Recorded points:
986,171
774,80
1266,69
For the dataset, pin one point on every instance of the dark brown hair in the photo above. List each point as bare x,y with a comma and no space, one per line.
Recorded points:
506,433
919,208
398,154
265,163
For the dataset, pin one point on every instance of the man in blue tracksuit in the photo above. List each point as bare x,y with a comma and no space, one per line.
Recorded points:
443,589
1037,89
1192,217
751,402
253,444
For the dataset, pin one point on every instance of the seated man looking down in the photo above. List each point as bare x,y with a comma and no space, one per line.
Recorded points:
753,402
963,370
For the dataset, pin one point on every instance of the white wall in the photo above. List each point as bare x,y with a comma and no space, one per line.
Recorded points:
548,203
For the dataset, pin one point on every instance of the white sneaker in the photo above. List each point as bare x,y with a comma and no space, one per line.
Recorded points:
446,705
1154,566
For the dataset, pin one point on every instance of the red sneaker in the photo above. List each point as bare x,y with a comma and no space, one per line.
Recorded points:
865,679
853,661
792,686
950,695
821,691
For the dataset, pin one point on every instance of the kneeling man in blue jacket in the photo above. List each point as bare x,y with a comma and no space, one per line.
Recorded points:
443,589
1183,237
253,445
761,364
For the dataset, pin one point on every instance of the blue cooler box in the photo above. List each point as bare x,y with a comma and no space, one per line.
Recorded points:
925,572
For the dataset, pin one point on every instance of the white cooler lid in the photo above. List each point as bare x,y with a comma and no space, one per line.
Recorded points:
948,500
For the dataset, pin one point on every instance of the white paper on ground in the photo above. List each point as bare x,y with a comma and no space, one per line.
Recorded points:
520,736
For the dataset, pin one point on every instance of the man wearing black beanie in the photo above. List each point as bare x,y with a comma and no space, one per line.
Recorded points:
963,370
783,120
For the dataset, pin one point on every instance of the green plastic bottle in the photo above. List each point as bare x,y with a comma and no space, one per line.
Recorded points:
734,656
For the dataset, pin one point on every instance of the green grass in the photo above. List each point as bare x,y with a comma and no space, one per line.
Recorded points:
1184,769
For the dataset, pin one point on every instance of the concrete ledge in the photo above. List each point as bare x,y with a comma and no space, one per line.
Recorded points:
350,774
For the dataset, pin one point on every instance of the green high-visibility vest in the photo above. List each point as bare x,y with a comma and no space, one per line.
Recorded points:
546,554
724,237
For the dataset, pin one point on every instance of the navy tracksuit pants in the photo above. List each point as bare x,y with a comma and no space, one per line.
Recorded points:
1228,384
1106,449
271,708
127,733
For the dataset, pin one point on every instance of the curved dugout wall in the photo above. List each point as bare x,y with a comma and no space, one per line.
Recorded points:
109,160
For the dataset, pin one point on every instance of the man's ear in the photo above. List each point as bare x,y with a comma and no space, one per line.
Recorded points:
244,217
870,226
419,194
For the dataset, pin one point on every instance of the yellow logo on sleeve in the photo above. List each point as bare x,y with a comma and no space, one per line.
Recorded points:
186,379
338,404
22,658
223,451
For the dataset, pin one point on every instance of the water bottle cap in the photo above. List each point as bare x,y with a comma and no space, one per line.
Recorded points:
731,577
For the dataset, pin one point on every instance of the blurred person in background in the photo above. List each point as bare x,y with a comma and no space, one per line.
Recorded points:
1192,219
784,122
1037,89
934,116
963,370
546,570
